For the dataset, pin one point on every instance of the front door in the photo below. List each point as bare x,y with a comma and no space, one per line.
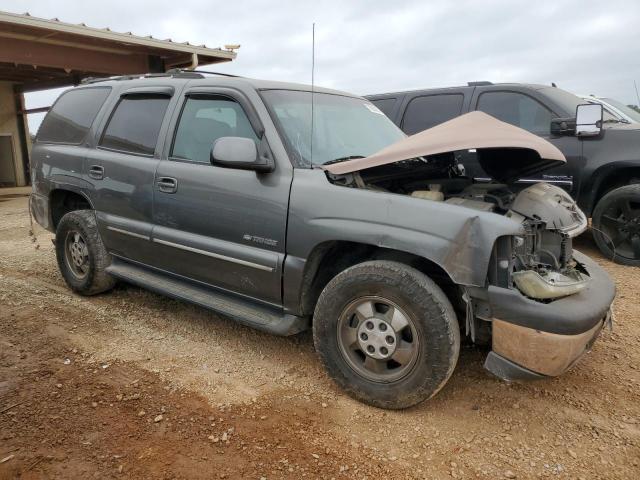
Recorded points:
528,113
220,226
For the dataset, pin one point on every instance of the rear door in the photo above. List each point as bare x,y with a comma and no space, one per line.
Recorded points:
64,139
220,226
526,110
426,110
389,105
122,169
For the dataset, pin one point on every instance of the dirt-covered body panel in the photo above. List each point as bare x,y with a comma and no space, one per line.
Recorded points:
459,240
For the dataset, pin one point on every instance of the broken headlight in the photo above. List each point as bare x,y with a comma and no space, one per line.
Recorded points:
548,285
543,265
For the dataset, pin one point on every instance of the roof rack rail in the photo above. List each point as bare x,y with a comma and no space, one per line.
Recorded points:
481,83
170,73
222,74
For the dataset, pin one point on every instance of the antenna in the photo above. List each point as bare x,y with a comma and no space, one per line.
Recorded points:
637,96
313,68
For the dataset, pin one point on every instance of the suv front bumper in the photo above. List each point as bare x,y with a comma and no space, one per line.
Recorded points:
531,339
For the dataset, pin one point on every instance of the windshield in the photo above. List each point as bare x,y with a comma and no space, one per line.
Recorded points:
608,115
628,111
343,127
567,101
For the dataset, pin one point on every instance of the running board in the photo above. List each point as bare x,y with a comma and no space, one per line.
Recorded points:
243,311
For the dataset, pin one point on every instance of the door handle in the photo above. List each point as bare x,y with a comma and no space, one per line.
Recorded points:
96,172
167,185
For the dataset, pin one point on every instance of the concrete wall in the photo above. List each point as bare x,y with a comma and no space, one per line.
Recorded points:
9,126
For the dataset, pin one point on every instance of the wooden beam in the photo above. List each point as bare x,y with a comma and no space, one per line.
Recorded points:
34,86
23,131
34,110
69,58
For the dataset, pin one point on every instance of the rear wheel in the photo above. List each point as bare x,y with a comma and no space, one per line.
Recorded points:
616,221
387,334
82,257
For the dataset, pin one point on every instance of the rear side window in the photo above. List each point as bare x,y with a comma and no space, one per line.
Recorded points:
203,121
72,115
135,124
517,109
429,111
385,105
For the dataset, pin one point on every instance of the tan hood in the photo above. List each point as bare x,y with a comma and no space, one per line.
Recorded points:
505,152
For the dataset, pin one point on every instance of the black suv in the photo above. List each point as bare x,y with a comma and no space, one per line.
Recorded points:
602,171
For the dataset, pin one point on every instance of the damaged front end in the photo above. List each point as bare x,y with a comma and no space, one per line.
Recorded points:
545,303
550,302
540,304
543,267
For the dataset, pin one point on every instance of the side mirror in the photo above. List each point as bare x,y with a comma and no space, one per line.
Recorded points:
240,153
588,120
563,126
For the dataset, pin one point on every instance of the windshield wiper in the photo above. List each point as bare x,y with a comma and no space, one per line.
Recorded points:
343,159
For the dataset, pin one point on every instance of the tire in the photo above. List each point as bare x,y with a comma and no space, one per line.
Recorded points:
82,257
616,222
424,352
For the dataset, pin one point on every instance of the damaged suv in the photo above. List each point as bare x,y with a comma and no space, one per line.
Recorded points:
226,193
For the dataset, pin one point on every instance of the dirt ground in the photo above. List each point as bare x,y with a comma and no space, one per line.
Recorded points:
133,385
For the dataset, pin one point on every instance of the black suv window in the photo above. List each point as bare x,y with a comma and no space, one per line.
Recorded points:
203,121
135,124
517,109
72,115
385,105
429,111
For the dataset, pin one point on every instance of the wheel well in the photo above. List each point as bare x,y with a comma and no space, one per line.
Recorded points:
65,201
330,258
618,178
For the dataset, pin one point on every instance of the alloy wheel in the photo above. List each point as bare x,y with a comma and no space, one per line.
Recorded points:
378,339
620,224
77,254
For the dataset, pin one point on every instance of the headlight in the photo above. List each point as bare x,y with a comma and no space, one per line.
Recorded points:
549,285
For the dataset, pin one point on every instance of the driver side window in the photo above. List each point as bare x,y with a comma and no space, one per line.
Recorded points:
517,109
203,121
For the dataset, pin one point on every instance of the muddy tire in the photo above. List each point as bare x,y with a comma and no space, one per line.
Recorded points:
387,334
616,222
82,257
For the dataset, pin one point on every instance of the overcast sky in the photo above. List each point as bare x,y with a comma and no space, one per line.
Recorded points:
378,46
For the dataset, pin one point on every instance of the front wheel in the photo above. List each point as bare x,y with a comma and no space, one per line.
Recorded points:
616,222
387,334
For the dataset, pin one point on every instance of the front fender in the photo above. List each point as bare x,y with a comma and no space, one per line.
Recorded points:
601,176
458,239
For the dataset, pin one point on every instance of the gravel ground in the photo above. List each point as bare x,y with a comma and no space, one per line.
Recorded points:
133,385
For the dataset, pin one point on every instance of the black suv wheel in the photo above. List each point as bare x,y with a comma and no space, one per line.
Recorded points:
616,222
82,257
387,334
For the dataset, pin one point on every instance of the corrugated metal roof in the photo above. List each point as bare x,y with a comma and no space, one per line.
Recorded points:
106,33
38,53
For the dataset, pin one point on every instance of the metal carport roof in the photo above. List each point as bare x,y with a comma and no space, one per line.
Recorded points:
39,54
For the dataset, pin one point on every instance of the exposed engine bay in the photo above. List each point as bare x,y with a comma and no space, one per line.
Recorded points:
540,262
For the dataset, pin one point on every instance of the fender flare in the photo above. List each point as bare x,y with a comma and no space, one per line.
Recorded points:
601,175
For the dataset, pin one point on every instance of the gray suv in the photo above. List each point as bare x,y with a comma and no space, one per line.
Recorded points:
224,192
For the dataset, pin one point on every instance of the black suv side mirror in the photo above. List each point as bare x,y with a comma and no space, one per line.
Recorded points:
240,153
563,126
588,119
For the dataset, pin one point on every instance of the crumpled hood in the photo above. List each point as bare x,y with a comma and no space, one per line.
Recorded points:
505,152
